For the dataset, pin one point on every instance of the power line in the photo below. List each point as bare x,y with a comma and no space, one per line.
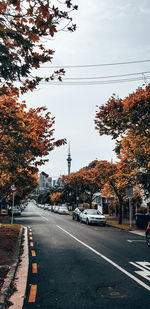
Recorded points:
96,65
143,76
108,76
95,82
102,77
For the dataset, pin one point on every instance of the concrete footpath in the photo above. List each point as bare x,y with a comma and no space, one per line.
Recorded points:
16,279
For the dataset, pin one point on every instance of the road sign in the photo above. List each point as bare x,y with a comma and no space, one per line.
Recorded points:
13,188
129,191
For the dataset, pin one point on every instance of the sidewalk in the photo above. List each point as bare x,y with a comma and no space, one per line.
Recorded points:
113,221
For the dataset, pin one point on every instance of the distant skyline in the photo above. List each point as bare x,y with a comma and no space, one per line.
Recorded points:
108,31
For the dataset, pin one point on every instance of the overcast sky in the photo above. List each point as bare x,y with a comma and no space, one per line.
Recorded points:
108,31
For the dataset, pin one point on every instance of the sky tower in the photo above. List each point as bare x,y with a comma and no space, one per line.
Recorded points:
69,160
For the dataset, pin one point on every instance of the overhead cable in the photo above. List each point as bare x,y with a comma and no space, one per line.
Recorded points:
102,82
96,65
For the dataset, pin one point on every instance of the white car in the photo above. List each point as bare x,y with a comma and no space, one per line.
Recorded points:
56,208
93,216
63,210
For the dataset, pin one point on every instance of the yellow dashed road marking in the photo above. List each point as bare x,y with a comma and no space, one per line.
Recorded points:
31,237
31,244
33,253
34,268
32,295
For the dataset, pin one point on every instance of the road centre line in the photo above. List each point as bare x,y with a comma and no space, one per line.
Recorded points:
31,244
33,252
108,260
34,268
32,295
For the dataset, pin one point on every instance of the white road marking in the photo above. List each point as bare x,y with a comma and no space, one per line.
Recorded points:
135,240
44,218
144,272
108,260
144,264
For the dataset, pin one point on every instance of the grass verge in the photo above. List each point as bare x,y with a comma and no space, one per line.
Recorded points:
123,226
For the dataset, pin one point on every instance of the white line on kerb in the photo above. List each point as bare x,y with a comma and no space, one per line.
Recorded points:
108,260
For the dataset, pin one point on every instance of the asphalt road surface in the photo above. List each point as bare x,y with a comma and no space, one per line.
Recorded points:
75,266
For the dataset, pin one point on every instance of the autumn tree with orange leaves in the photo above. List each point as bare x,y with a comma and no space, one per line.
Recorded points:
26,27
115,179
85,180
127,121
55,197
26,138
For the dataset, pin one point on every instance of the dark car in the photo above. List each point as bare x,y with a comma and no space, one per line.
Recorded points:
76,213
148,234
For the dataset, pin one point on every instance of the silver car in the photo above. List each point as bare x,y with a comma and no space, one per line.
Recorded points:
92,216
63,210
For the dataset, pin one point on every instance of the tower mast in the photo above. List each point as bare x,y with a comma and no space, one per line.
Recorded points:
69,159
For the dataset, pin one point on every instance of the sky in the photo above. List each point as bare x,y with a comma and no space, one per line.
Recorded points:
108,31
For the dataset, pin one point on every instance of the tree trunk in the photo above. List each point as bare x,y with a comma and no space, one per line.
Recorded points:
91,199
120,210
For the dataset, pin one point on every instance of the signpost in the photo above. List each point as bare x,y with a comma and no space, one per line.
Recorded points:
13,189
129,193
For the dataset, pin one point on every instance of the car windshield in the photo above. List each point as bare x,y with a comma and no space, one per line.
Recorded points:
63,207
93,212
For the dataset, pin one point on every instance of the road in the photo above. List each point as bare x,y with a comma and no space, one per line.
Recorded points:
75,266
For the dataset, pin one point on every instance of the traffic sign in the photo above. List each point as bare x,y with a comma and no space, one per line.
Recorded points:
13,188
129,191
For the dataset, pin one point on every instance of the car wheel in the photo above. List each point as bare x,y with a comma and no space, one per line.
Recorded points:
80,220
72,217
148,239
87,221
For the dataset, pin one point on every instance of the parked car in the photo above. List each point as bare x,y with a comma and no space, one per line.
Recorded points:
55,208
16,211
93,216
50,207
63,210
77,213
148,234
46,206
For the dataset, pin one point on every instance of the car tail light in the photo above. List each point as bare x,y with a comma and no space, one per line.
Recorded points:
148,226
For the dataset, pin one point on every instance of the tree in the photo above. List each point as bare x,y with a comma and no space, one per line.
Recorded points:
118,116
73,186
127,120
25,138
86,181
55,197
114,178
25,28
